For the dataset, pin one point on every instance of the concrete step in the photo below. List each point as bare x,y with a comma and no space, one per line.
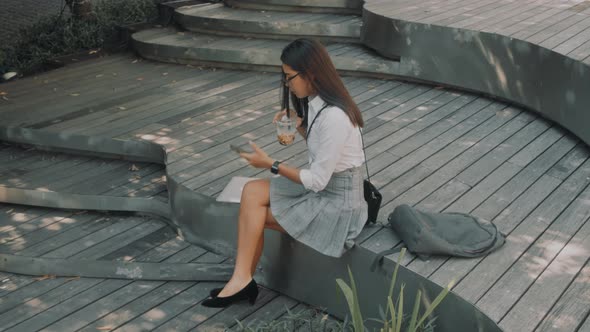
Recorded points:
170,45
306,6
216,18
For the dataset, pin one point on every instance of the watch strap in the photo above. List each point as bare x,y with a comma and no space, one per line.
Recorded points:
275,167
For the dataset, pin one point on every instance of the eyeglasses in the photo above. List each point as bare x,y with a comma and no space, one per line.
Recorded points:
286,80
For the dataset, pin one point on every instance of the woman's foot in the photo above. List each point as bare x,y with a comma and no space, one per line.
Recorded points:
250,293
215,291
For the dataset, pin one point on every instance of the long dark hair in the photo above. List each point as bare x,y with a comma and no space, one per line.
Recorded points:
311,60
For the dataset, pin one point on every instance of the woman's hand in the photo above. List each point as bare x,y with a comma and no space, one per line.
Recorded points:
279,116
283,113
258,158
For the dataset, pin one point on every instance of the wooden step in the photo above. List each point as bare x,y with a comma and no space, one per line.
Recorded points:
169,45
219,19
305,6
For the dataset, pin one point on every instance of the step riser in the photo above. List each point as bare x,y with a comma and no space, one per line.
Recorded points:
253,60
274,30
304,7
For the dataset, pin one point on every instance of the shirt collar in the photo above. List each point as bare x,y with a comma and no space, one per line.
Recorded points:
316,103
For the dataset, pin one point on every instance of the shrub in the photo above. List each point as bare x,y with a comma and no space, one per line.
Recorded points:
58,35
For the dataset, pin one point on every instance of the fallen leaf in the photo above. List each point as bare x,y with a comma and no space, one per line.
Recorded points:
74,94
4,97
136,177
140,78
73,278
122,108
134,61
99,75
164,74
93,52
104,328
3,93
45,277
134,168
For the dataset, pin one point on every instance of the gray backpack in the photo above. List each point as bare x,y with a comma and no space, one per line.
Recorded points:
443,234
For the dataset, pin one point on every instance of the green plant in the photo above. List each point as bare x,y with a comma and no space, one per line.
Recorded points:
302,320
58,35
393,318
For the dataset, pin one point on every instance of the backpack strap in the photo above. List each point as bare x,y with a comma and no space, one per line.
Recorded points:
379,259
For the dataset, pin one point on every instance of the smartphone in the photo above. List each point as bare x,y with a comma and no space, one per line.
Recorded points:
240,149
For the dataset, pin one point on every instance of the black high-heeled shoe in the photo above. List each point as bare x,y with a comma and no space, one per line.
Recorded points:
250,293
215,291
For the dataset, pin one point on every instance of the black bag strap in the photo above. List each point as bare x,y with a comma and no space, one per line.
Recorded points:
365,154
380,256
312,122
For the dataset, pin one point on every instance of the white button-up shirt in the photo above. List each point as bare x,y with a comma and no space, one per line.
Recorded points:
334,145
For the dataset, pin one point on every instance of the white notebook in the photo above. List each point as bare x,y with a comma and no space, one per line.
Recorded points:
233,190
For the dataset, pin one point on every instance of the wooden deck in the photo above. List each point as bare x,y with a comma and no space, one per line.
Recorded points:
434,148
562,26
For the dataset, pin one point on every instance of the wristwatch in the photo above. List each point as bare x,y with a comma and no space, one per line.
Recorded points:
275,167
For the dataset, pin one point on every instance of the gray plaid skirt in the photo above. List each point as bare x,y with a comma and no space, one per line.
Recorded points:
327,221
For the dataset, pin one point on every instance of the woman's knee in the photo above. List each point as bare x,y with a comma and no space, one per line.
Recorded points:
257,191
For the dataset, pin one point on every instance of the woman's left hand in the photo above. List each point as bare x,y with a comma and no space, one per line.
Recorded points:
258,158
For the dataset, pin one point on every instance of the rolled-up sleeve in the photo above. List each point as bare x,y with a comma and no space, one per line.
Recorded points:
333,132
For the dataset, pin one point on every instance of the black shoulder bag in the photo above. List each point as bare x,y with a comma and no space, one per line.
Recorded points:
372,195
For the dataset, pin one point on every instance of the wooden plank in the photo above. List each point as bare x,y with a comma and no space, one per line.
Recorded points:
447,161
182,310
199,140
507,290
176,98
488,17
131,103
50,227
581,52
235,163
506,221
585,326
188,112
573,43
492,201
281,153
491,268
66,76
564,36
531,21
269,312
547,23
572,308
465,11
555,29
91,89
511,149
550,285
96,302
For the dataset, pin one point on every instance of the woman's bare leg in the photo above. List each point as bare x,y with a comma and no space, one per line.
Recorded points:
270,223
254,212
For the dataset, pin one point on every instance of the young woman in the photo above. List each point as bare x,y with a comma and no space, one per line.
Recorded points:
321,206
